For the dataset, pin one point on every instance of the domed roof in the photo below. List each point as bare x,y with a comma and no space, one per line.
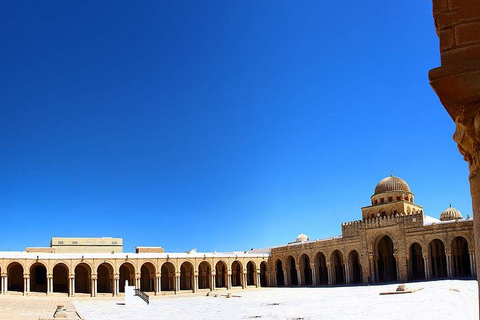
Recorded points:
391,184
450,214
302,237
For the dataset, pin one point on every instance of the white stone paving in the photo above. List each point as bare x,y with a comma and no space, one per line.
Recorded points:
446,299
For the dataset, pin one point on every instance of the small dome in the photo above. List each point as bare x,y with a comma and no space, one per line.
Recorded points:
302,238
391,184
450,214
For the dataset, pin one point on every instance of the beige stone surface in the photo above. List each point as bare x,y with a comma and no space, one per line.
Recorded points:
13,307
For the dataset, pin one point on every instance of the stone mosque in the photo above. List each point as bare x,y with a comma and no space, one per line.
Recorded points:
394,241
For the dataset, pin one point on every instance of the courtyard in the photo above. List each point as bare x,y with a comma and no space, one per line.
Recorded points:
443,299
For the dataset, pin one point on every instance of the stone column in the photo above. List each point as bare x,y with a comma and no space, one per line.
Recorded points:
177,282
71,285
426,265
158,283
137,281
347,273
457,84
26,284
448,256
49,284
285,277
229,280
258,281
329,273
2,284
94,286
472,264
299,277
371,261
213,284
116,281
314,275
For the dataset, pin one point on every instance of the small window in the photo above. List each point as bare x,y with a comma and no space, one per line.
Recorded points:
382,200
399,198
406,198
60,242
114,242
74,242
390,199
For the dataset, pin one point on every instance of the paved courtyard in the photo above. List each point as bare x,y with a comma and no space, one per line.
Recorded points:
446,299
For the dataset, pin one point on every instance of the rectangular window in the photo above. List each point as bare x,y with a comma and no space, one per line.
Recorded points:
74,242
60,242
390,199
399,198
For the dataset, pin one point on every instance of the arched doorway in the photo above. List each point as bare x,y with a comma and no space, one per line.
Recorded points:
338,269
279,274
186,275
15,277
60,278
417,266
221,274
105,278
461,258
147,277
321,270
82,278
386,262
204,272
237,274
292,271
168,277
38,278
263,274
251,280
306,271
438,260
355,268
127,275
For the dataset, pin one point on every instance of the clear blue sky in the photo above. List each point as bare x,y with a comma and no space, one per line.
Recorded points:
216,125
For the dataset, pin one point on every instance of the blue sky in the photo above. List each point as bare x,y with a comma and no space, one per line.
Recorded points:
216,125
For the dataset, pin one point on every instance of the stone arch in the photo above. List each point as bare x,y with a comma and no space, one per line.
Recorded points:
251,273
354,266
279,276
460,257
376,237
204,272
221,270
15,277
292,276
105,278
321,270
127,275
167,282
263,274
437,258
38,277
60,277
83,276
305,270
338,270
237,274
147,276
186,276
416,264
386,263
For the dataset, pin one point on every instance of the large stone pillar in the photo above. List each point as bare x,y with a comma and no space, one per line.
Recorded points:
314,275
457,84
285,277
299,278
329,273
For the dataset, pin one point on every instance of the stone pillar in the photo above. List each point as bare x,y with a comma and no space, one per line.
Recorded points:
457,84
71,285
213,284
329,273
49,284
137,281
371,261
472,264
229,280
177,282
299,277
26,284
158,283
94,286
347,273
314,275
448,256
2,285
116,281
426,265
285,277
258,280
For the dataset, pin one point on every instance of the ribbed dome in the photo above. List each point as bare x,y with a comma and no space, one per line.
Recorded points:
450,214
302,237
391,184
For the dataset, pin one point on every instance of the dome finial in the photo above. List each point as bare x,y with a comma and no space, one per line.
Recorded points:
450,204
391,173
